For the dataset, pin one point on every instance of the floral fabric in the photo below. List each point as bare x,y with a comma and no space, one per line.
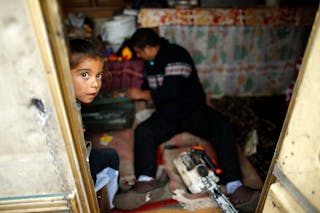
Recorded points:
238,52
233,16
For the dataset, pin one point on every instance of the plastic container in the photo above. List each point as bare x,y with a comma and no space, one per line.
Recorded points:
116,30
143,115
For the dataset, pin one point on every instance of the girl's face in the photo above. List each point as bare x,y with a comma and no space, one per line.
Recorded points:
87,79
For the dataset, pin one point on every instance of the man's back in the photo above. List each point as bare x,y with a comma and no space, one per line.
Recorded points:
173,80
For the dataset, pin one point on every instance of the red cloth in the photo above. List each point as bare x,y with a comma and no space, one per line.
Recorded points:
121,75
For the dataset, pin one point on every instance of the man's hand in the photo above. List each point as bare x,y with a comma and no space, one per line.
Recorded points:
138,94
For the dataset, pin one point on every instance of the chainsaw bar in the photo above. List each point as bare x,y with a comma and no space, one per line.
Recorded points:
214,191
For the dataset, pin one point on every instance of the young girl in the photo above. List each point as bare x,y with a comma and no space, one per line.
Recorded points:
86,66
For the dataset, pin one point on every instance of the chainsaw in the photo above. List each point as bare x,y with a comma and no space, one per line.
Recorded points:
200,174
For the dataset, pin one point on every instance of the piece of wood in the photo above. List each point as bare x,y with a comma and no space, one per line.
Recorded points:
279,200
43,168
30,131
299,156
103,200
92,8
69,112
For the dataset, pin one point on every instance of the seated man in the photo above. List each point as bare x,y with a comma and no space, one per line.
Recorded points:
172,83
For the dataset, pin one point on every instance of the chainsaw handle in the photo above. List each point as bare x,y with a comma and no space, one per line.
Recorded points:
200,150
211,164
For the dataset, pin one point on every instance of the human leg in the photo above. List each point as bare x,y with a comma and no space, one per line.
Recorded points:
148,136
212,126
99,159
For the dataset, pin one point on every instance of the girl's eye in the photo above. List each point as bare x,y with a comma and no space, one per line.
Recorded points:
84,74
100,76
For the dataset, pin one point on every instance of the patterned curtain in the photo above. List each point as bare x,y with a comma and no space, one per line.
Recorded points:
238,52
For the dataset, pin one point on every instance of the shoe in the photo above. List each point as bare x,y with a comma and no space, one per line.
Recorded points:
144,192
245,199
146,186
133,199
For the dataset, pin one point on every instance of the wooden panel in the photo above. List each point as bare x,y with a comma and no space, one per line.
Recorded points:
117,3
33,155
299,157
42,162
280,201
93,12
85,196
77,3
92,8
37,204
296,163
103,200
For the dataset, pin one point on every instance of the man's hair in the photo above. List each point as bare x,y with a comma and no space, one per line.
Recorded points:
81,49
143,37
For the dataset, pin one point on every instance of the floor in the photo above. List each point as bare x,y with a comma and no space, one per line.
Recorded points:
265,115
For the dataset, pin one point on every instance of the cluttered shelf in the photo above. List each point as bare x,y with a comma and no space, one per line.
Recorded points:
260,60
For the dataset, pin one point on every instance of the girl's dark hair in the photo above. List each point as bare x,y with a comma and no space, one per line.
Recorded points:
80,49
145,36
